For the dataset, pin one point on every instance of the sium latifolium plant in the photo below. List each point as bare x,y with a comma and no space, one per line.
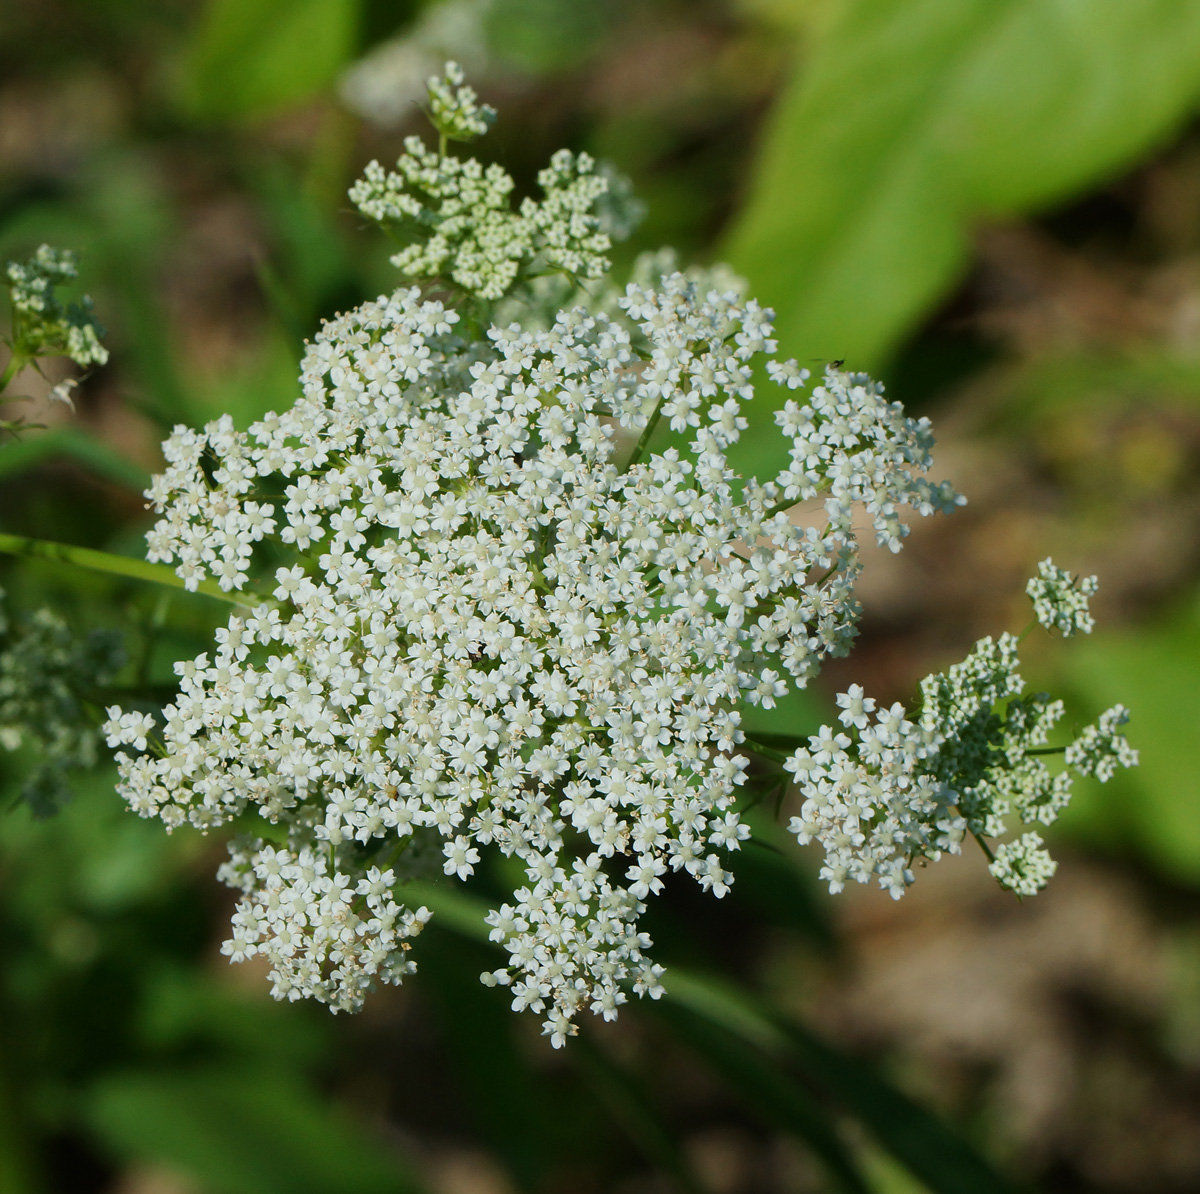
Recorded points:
505,624
48,674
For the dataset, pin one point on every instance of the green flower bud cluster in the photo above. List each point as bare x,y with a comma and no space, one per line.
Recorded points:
1060,600
42,325
454,109
47,677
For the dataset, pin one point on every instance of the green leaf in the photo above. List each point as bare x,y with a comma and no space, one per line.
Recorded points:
515,1112
757,1050
769,1090
92,453
940,1157
241,1133
461,911
910,122
1154,807
252,57
632,1106
932,1152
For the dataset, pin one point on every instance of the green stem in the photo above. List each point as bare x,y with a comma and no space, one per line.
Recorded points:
103,561
984,847
1047,750
644,439
768,752
780,507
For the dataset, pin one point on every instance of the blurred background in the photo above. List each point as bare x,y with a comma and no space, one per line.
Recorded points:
996,209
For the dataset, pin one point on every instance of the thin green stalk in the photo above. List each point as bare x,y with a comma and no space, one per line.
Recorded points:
780,507
768,752
644,439
984,846
114,565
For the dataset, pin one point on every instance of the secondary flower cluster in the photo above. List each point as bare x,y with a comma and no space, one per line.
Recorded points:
454,109
42,325
889,791
1060,602
455,216
495,634
46,674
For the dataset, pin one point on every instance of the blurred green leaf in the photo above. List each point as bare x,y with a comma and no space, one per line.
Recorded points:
632,1106
757,1050
252,57
768,1090
932,1152
516,1113
241,1133
1155,807
180,1010
543,36
456,909
93,454
771,883
911,121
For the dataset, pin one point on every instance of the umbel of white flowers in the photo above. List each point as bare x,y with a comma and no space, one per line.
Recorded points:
505,630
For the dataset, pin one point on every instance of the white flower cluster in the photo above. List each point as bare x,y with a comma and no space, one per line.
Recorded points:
887,791
455,216
1060,601
42,326
454,108
324,935
496,635
869,799
1101,749
1024,865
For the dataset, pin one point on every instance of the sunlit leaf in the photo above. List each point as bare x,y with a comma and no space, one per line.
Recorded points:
70,442
760,1053
909,122
628,1101
770,1091
1155,807
252,57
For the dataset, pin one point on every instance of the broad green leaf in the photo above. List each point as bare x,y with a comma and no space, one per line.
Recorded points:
773,886
240,1133
16,1170
908,122
1155,807
461,911
252,57
545,36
